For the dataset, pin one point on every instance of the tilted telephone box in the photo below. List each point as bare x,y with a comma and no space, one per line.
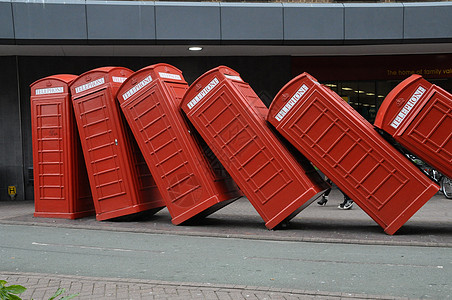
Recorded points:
231,119
347,148
189,184
121,185
418,115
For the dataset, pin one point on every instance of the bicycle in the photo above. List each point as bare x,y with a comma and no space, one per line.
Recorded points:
444,182
446,187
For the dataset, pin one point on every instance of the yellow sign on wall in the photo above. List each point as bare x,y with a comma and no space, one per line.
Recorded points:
12,190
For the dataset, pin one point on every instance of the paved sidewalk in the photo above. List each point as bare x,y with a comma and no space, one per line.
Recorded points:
43,286
430,226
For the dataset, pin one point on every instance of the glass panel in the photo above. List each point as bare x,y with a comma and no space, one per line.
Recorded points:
367,99
366,96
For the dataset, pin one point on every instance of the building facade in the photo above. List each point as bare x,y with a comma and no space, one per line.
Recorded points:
360,50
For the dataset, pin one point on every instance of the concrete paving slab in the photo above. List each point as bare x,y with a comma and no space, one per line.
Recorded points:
431,226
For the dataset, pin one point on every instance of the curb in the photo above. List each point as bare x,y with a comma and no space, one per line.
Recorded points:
206,286
237,236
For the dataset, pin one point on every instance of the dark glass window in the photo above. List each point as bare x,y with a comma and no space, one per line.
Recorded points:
366,96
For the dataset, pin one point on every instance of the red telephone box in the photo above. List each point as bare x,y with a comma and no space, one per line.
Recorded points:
120,184
346,148
231,119
61,186
150,100
418,115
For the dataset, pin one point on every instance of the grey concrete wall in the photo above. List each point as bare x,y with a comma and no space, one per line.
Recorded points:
84,22
305,22
120,20
49,20
187,21
252,22
373,21
6,21
11,166
428,19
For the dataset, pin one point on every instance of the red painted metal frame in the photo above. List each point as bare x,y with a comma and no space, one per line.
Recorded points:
61,185
150,100
347,148
121,183
418,115
231,119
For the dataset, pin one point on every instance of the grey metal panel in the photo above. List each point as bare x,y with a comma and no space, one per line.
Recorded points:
65,20
373,21
313,22
6,20
428,20
245,21
124,20
187,21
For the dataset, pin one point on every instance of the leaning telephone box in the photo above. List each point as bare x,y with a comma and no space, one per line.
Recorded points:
150,100
231,119
347,149
61,186
418,115
120,184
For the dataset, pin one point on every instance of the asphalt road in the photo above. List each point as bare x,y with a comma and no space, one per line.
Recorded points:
403,271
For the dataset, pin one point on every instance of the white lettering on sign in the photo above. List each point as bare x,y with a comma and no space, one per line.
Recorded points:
54,90
408,107
203,93
90,85
137,87
233,77
119,79
286,108
170,76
